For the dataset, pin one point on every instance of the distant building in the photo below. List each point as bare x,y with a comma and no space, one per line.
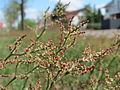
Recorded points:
1,25
79,15
113,10
112,16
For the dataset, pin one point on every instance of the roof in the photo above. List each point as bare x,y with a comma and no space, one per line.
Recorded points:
73,13
109,4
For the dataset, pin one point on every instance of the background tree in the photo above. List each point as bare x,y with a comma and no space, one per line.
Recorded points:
99,15
95,16
13,10
11,13
89,12
22,9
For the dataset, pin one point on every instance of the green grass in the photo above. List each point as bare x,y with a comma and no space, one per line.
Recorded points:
74,52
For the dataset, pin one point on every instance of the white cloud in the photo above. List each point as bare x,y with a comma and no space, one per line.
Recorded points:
74,4
101,7
32,16
32,13
31,10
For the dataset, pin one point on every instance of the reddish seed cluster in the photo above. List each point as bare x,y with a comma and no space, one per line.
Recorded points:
23,36
33,42
28,62
70,24
37,85
50,43
108,51
20,39
50,54
44,63
10,47
84,22
18,77
10,62
16,61
62,52
2,88
91,55
62,28
26,50
63,65
109,81
83,69
22,77
1,64
78,33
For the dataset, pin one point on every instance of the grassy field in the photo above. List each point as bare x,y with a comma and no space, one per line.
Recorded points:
75,52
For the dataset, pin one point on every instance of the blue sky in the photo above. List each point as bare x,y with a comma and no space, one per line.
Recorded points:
43,4
36,7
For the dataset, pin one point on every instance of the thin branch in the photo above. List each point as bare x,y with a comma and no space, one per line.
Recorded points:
99,75
11,53
113,57
48,81
32,69
54,79
10,81
25,83
45,22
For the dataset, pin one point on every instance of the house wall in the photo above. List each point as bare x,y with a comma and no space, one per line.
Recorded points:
78,18
111,24
113,8
105,24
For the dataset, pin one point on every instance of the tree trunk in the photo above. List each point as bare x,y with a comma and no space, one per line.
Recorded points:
22,14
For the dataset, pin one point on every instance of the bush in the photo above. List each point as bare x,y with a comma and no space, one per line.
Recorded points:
95,26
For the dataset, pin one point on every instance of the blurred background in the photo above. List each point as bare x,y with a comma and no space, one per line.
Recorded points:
103,14
15,15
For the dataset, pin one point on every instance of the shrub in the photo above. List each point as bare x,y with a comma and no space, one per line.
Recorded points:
95,26
43,65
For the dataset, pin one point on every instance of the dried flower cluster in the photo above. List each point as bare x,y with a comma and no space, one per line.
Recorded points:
110,82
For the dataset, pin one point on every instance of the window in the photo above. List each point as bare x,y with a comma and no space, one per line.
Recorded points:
107,10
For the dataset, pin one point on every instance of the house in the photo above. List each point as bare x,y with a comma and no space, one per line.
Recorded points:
79,15
113,9
112,16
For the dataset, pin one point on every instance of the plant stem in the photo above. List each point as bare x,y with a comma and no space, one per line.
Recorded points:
45,22
54,79
48,81
11,53
10,81
100,74
25,83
